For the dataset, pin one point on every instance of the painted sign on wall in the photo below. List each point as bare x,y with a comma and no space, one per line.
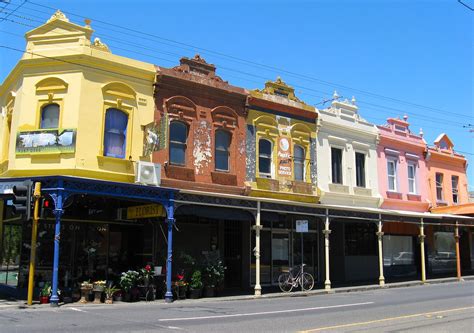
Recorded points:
284,157
46,141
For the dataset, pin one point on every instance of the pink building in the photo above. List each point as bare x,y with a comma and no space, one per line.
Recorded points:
401,167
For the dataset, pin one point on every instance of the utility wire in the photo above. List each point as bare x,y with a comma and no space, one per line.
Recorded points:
249,62
18,7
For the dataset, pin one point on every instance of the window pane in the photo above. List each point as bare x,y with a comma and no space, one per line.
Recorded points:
222,160
264,165
299,162
222,144
177,153
115,133
265,156
264,147
336,161
439,186
360,170
50,116
178,132
178,139
222,140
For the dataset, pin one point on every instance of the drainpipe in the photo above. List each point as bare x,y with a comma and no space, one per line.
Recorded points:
422,249
458,254
327,232
257,228
379,234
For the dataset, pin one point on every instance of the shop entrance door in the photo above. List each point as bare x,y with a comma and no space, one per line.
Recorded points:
233,254
280,254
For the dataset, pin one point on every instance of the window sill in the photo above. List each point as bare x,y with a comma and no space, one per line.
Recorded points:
441,203
413,197
394,195
179,172
339,188
268,184
114,160
224,178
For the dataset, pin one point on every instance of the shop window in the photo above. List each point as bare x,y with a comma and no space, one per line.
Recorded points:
360,239
10,256
398,250
392,175
264,157
360,169
454,186
439,186
178,139
50,116
336,165
298,161
115,136
411,179
222,145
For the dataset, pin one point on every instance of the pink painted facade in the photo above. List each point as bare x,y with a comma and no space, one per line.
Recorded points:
446,174
401,167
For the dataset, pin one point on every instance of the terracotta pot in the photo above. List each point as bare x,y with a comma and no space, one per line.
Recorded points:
44,299
109,300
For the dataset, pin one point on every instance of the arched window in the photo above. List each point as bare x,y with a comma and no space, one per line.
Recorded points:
222,145
50,116
115,134
264,157
298,162
178,138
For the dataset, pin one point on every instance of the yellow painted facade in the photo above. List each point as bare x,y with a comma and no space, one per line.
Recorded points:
276,115
62,66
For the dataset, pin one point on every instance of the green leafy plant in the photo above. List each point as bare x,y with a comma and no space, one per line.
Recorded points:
110,291
196,280
46,290
146,273
214,273
129,279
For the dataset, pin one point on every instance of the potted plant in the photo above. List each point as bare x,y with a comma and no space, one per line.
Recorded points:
98,289
146,275
109,293
180,286
117,296
128,281
45,292
86,288
213,276
195,286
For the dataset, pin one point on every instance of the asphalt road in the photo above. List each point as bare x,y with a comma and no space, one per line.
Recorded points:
431,308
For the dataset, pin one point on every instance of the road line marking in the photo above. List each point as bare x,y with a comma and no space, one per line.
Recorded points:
76,309
385,319
267,312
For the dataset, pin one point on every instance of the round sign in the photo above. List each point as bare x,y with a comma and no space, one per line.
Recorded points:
284,144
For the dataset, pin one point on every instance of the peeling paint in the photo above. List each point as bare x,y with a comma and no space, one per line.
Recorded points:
313,163
251,161
202,147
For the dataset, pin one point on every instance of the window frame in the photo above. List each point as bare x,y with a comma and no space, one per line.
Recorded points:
364,171
455,189
394,176
439,186
270,157
340,174
185,143
216,150
412,165
125,133
42,110
302,162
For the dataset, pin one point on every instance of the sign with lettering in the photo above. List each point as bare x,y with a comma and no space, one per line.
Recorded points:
140,212
284,168
301,225
62,141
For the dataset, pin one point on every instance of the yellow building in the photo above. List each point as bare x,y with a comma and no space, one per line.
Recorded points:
71,107
281,144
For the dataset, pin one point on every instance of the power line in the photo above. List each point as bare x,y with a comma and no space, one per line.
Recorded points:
253,63
18,7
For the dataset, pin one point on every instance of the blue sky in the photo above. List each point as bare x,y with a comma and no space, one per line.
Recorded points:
395,57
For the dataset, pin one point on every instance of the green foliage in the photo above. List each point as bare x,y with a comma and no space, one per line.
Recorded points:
129,279
109,291
196,280
214,273
46,290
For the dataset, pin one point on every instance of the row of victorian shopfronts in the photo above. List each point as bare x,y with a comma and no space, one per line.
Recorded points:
239,170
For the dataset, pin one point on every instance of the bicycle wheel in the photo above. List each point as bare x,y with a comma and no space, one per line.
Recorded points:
307,281
285,282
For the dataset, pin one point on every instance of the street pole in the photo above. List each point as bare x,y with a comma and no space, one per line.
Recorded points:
458,254
302,262
422,251
258,227
34,232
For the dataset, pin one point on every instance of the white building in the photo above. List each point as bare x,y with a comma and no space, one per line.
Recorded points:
347,157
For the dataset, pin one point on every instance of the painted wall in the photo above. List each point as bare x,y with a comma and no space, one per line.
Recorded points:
341,126
443,159
275,114
192,94
91,81
398,144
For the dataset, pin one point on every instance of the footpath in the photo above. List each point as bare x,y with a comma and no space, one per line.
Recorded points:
9,303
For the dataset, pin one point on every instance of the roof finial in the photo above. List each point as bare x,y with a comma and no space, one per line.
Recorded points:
87,22
58,15
405,117
335,95
421,132
353,100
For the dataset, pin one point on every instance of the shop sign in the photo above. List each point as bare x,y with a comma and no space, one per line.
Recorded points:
301,225
284,157
140,212
46,141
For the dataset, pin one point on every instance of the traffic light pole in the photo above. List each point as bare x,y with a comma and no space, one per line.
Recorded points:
34,232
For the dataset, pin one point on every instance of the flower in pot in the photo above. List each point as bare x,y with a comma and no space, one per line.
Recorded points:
146,275
109,293
98,289
45,292
128,280
180,286
86,288
213,276
195,286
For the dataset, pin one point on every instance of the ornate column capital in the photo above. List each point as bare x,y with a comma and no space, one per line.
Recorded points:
257,227
422,237
380,234
327,232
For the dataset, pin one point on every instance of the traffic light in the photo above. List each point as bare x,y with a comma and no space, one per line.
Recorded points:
22,195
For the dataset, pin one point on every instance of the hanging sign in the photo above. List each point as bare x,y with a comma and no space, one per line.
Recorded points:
301,225
140,212
46,141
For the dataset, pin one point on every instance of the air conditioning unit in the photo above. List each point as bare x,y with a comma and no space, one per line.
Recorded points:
148,173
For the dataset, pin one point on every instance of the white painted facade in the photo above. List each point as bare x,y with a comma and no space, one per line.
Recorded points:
340,126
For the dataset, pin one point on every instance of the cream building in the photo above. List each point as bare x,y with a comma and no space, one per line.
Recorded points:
347,157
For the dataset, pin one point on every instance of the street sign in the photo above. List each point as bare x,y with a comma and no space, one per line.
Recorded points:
140,212
301,225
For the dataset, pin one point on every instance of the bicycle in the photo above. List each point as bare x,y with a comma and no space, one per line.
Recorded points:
287,281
